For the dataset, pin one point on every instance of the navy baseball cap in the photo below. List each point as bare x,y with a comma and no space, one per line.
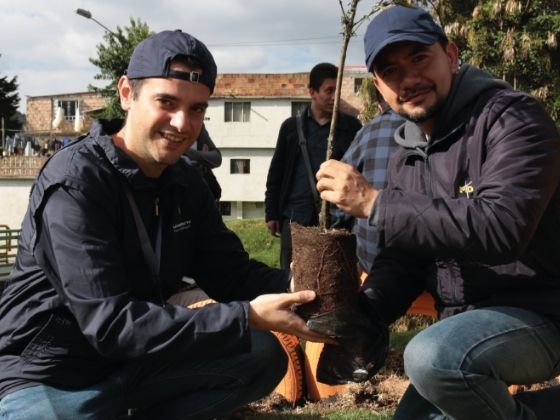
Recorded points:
397,24
152,57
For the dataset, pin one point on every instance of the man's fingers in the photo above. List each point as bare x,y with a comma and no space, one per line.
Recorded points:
330,168
298,298
325,184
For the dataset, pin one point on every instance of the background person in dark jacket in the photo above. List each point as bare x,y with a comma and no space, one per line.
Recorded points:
115,220
205,156
470,212
288,195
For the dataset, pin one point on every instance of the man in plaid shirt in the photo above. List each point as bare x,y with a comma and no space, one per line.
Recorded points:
369,153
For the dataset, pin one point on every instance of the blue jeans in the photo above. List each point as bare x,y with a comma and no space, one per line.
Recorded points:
161,389
460,367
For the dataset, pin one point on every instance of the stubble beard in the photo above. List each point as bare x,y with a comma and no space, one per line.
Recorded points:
422,116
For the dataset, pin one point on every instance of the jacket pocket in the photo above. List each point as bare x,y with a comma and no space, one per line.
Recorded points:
41,342
60,355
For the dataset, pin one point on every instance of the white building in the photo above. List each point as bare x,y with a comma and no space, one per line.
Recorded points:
243,119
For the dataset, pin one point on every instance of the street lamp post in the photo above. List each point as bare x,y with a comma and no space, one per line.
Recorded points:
87,14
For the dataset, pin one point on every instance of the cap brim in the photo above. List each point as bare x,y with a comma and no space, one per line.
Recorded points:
421,38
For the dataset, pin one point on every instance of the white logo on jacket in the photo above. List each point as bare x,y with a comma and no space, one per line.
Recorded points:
178,227
467,189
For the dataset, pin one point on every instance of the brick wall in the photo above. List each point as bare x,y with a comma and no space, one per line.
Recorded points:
267,85
286,85
40,112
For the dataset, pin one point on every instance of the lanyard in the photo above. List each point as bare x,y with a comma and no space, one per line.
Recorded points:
153,257
305,155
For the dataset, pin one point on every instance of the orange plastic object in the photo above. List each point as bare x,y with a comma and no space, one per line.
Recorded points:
423,305
291,386
317,390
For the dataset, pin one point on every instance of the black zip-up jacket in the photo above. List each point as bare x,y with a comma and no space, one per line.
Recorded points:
287,153
80,300
473,215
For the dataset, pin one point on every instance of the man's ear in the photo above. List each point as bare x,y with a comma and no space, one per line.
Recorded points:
453,54
375,81
125,92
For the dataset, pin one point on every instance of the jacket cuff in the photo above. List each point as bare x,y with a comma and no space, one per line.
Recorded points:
373,217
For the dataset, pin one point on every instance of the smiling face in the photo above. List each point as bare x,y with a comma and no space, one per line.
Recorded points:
164,118
415,79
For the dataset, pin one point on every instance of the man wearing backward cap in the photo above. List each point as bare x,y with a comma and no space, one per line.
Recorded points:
115,221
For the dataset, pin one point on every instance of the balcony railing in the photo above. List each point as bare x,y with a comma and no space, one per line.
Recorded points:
22,167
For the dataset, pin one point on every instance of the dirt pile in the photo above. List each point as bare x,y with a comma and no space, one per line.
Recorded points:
382,392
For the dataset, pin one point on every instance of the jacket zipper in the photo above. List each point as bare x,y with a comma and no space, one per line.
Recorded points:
428,176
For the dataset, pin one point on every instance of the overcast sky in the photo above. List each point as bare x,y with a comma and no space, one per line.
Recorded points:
47,45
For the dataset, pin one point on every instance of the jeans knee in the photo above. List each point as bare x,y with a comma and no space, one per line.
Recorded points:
426,361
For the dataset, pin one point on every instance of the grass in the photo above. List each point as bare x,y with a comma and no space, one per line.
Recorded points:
398,340
256,239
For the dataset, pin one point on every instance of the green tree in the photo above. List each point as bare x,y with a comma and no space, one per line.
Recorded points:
517,41
9,102
369,100
112,59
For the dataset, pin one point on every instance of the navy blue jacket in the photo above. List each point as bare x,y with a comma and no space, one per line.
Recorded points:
473,214
81,301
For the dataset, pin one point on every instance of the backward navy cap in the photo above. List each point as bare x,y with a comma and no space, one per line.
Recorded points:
398,24
152,58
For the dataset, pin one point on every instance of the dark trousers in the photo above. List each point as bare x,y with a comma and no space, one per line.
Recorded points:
285,245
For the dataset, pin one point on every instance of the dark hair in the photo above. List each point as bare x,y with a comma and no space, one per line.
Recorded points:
443,42
189,61
319,73
135,86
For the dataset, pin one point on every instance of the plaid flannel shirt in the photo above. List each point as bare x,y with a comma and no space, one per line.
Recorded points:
369,153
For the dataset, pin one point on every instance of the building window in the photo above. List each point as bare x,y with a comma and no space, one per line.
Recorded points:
358,85
237,111
225,208
69,108
299,106
240,166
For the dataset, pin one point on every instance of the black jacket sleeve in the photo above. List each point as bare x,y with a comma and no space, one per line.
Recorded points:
276,173
395,280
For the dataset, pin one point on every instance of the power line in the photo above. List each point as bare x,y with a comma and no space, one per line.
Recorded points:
273,43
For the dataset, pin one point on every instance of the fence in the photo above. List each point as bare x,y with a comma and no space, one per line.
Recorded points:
8,248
